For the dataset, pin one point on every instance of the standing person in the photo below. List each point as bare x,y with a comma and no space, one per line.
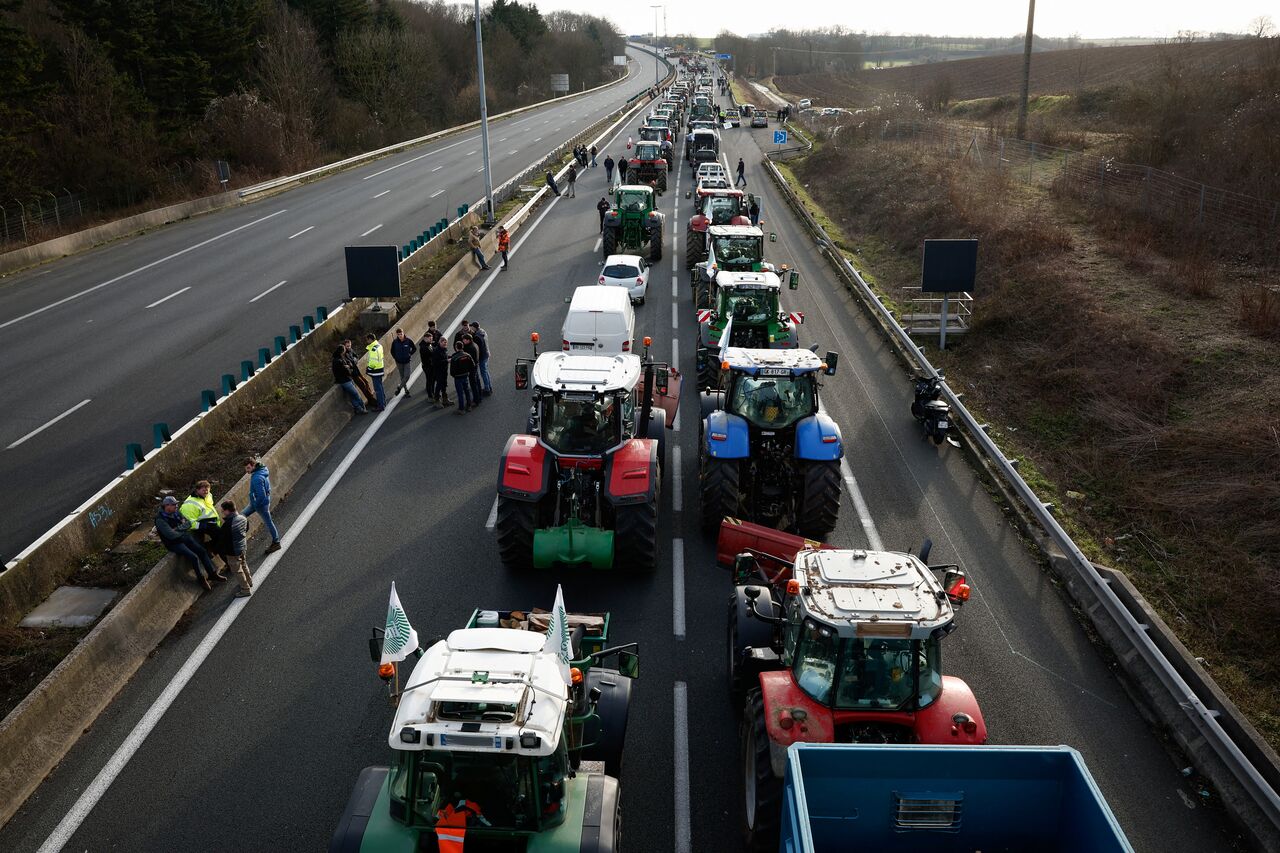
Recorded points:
573,179
504,245
602,206
234,540
608,169
260,499
742,177
402,350
358,379
375,368
440,371
593,156
473,349
175,532
460,368
551,182
481,337
754,212
477,252
343,378
198,510
622,169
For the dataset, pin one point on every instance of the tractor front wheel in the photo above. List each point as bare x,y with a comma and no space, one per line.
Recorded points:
692,254
719,491
762,790
609,242
516,522
655,245
819,503
635,535
607,731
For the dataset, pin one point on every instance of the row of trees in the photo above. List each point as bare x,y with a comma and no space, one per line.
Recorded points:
132,98
788,52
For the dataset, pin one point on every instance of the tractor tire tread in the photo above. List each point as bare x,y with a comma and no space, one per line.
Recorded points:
635,536
768,799
515,525
718,489
819,507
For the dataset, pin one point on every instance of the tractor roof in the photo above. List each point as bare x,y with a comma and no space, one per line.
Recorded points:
562,371
729,280
736,231
480,690
754,361
637,188
872,593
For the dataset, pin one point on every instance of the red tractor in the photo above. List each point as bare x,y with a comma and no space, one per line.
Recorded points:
713,207
832,645
648,166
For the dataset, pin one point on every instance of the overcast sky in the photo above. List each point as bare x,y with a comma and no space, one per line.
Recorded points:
1089,18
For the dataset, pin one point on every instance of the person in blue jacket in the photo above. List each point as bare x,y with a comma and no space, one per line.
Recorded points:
260,498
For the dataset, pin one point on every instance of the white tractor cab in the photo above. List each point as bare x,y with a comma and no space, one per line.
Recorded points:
489,735
600,321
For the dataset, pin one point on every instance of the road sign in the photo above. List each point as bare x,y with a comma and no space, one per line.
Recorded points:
779,137
724,56
559,82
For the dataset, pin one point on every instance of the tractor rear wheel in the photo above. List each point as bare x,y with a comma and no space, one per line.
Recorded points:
662,181
608,731
718,487
691,251
610,241
655,245
746,632
818,506
635,535
762,790
516,523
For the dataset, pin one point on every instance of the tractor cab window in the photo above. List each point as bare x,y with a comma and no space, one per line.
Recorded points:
590,425
867,673
815,663
738,250
722,210
773,402
633,201
647,152
501,785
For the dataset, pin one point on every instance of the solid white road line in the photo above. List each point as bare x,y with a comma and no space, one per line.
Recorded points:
384,192
303,231
492,520
416,159
677,482
268,290
677,587
683,837
859,502
170,296
48,424
436,193
80,810
367,233
142,268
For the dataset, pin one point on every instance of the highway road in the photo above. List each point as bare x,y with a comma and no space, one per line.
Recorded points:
261,743
139,327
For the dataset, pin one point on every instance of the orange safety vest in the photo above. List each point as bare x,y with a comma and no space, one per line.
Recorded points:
451,826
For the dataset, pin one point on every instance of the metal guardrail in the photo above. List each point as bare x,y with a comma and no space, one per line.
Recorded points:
1203,719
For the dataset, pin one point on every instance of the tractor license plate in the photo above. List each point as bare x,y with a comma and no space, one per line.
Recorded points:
581,346
943,424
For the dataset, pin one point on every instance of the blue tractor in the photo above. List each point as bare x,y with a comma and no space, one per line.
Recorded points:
767,453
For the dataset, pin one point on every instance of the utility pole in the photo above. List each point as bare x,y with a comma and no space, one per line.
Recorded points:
1026,70
484,121
655,38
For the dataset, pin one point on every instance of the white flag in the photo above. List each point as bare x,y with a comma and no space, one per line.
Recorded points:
400,640
557,641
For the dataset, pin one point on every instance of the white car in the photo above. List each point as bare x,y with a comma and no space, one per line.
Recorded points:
710,170
804,104
629,271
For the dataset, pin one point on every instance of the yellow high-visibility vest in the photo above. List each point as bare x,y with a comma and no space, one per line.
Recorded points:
197,509
375,356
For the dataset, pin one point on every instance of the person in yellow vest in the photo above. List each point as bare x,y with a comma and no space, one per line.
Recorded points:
199,511
374,368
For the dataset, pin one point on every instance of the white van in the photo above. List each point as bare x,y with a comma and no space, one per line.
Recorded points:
600,321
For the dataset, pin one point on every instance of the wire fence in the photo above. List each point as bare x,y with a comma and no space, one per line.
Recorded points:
1092,178
21,218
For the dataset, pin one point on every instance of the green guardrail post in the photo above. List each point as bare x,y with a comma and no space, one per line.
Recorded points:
322,314
280,345
444,222
405,251
462,210
399,255
264,357
246,370
132,456
160,433
308,324
208,399
228,383
295,334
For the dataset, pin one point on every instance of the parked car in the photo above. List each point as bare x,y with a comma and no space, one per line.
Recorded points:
804,104
759,119
732,118
629,271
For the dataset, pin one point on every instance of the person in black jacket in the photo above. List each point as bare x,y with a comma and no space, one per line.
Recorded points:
608,170
342,377
473,349
175,532
402,350
481,337
603,207
440,371
461,366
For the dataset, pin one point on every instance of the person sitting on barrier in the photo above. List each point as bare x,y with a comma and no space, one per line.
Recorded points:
175,532
198,510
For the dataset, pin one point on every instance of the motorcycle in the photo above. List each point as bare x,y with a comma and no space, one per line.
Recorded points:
932,411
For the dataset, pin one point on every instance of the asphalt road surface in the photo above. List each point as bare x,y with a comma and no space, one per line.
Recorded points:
139,327
260,749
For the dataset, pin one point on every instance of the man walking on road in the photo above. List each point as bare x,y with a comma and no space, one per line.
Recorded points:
477,252
175,532
573,179
622,169
481,337
440,371
608,170
551,182
344,379
460,368
358,379
375,368
742,178
260,499
402,350
603,207
504,245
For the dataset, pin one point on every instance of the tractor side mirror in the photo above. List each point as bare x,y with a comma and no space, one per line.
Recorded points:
661,378
375,649
522,376
629,664
956,584
833,358
793,280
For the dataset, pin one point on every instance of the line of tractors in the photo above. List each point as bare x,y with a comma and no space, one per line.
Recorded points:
493,749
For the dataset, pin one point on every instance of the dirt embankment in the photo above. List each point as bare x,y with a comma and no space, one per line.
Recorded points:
1133,369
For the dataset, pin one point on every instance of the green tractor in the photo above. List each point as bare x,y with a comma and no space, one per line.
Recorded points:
632,222
491,736
727,248
745,312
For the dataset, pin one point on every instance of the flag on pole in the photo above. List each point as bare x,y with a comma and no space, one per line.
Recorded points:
400,640
557,641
